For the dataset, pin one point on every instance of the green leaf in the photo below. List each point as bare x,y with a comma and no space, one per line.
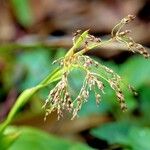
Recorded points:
81,39
33,139
136,71
116,132
77,43
144,105
7,140
140,138
125,134
36,65
22,99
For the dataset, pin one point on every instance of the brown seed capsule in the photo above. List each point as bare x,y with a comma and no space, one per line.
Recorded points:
131,17
131,44
120,97
98,40
86,43
123,33
128,18
98,98
132,90
142,50
127,31
91,38
123,107
100,85
77,33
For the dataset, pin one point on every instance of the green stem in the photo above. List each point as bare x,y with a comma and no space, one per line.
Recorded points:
27,94
81,52
78,43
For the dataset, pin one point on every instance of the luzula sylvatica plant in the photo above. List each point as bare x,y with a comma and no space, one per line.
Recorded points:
60,99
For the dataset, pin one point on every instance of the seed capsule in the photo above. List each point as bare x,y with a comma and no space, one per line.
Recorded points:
98,99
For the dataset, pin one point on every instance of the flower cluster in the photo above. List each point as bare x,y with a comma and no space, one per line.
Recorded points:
91,81
108,75
60,99
123,37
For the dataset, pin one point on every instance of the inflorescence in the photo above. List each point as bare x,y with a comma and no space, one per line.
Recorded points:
60,99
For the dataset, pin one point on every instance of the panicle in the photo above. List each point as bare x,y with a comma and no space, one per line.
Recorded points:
60,99
128,19
123,36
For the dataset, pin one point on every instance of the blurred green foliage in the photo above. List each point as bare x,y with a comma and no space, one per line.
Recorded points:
23,12
125,134
36,64
130,130
34,139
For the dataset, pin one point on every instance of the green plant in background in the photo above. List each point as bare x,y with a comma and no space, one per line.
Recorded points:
95,75
34,139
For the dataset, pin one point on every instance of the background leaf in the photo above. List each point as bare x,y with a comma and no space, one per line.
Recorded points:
136,71
23,12
34,139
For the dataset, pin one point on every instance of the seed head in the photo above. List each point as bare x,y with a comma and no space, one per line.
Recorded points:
128,19
98,99
123,33
60,99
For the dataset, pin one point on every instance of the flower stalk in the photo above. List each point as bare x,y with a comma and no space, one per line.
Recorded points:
60,99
